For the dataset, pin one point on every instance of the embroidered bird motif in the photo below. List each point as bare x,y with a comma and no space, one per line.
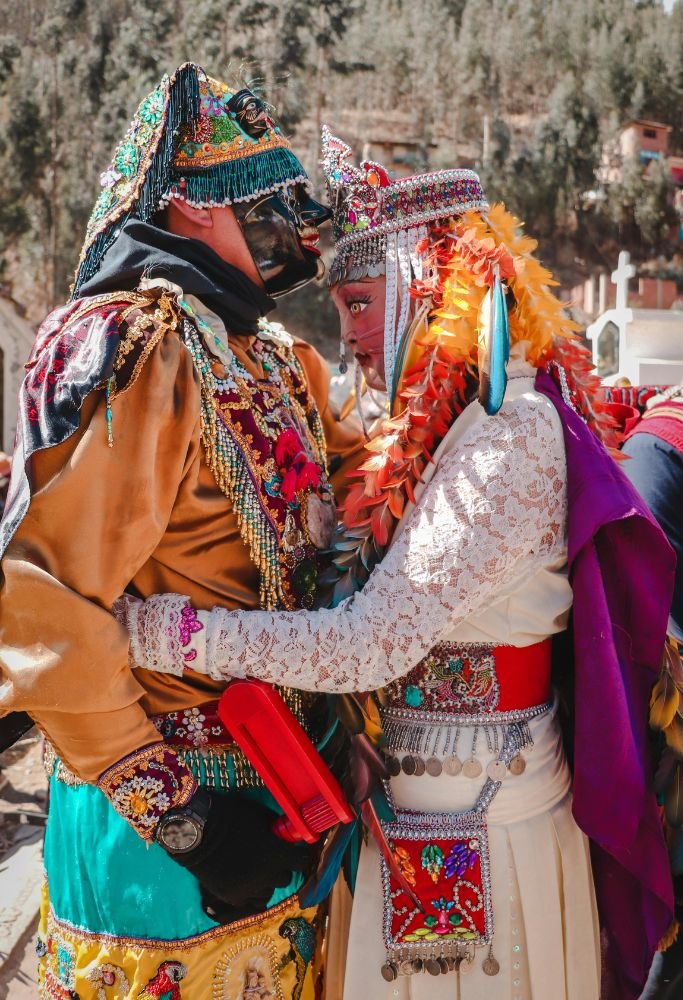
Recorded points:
301,936
164,986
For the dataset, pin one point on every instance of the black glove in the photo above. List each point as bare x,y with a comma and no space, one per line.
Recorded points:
240,861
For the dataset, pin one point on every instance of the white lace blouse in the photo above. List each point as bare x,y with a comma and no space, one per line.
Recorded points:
481,557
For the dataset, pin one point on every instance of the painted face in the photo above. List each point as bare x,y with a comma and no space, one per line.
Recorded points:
281,232
360,305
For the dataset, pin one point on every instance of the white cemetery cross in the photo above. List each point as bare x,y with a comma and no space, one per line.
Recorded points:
621,277
643,345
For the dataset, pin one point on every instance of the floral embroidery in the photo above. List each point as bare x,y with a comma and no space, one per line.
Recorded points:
126,160
152,108
296,471
187,626
453,677
143,786
142,799
265,446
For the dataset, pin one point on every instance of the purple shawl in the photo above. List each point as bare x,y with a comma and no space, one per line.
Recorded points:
621,570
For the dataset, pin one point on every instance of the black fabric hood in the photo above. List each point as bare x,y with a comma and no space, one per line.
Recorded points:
144,250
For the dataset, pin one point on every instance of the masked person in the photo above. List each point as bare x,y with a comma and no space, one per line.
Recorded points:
497,511
170,437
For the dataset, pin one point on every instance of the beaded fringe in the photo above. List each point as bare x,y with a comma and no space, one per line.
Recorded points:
182,107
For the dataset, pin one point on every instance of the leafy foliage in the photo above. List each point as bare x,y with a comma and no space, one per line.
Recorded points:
553,82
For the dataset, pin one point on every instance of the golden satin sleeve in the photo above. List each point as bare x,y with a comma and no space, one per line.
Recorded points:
96,515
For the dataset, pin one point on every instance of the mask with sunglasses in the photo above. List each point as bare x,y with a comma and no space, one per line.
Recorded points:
281,232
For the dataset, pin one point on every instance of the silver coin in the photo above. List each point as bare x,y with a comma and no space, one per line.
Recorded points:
417,965
389,971
444,966
432,966
466,965
452,765
434,767
393,765
472,768
517,765
419,767
496,770
406,967
409,764
490,966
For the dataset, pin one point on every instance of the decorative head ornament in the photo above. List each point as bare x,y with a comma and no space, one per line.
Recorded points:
380,227
192,138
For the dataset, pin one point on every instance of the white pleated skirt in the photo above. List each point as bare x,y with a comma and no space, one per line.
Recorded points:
546,932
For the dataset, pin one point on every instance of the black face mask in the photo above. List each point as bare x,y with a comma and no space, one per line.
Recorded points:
277,230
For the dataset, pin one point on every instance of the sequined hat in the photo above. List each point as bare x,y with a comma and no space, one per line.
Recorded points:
381,227
194,138
367,205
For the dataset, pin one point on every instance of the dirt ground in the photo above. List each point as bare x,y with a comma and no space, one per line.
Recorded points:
23,797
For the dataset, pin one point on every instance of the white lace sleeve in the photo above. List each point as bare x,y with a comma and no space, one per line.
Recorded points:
495,506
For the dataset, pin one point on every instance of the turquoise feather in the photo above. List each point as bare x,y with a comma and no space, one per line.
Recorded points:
494,349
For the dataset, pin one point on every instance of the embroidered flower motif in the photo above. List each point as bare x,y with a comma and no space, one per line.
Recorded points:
297,471
108,178
152,108
126,159
193,719
141,800
143,137
187,626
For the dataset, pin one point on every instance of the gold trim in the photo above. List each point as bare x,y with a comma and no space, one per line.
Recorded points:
182,944
229,152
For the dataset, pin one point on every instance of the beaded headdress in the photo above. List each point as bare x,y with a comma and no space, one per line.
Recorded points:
193,138
379,225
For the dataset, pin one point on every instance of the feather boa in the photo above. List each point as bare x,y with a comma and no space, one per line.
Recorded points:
439,372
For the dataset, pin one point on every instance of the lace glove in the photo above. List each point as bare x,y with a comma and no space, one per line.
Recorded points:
237,828
493,513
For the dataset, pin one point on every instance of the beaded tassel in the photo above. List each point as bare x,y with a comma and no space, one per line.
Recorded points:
108,413
232,476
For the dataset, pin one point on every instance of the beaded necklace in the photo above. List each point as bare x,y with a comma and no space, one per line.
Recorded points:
265,446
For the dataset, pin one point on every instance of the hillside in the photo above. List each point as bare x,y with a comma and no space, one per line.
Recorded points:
527,91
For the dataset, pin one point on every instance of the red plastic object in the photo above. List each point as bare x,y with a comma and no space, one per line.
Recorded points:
283,755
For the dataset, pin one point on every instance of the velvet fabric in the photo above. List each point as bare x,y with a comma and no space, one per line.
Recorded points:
622,570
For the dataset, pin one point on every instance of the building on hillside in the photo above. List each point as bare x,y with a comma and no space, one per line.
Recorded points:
639,140
643,345
16,340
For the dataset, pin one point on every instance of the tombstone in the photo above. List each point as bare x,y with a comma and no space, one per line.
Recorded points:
643,345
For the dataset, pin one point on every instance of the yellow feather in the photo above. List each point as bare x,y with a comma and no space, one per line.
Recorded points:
664,701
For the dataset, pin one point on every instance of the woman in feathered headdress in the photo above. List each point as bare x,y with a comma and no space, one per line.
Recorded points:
487,509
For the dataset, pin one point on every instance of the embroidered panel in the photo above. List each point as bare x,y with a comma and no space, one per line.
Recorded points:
269,955
454,678
146,784
264,443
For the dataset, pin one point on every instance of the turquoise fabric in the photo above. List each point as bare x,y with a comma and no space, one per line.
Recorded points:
103,878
